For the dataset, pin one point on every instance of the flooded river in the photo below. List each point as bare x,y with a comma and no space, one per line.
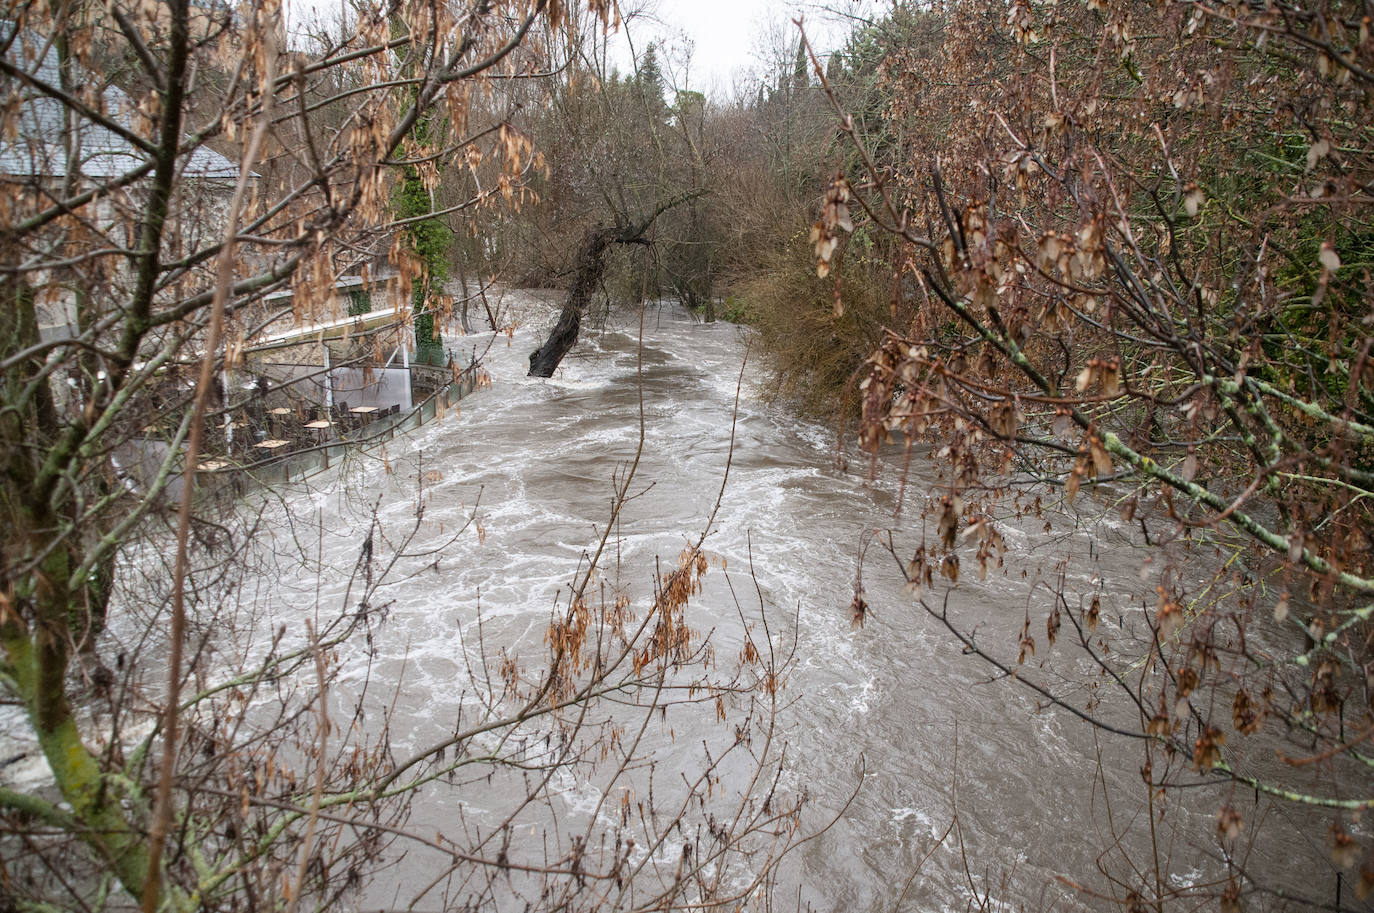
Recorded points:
890,730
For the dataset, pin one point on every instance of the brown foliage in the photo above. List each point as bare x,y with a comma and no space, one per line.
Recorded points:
1136,239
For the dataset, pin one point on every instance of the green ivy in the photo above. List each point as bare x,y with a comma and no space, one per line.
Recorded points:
429,240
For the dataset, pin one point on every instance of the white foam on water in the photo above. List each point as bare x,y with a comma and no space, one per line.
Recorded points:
542,454
922,821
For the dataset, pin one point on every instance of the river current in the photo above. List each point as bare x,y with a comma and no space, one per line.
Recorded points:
889,725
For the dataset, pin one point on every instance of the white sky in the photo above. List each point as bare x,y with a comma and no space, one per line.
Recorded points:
728,38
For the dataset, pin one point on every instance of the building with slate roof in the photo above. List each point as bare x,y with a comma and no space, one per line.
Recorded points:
88,135
104,142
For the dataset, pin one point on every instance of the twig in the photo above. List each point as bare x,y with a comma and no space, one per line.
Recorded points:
162,810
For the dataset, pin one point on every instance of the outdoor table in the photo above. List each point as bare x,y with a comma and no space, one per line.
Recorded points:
212,466
319,424
271,444
363,410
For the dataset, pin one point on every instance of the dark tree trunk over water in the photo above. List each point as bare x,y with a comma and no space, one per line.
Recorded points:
591,265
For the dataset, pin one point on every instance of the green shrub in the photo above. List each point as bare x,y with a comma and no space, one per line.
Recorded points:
813,347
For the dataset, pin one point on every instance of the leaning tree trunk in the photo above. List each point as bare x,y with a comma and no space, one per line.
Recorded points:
591,264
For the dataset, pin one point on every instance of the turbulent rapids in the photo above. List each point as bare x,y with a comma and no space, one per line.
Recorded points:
890,729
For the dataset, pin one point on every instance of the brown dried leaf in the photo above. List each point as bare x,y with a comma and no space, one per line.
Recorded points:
1111,379
1192,200
948,524
1084,379
1072,482
858,611
1316,152
1229,823
1189,467
1102,461
1168,616
1344,849
1062,425
1207,748
1330,260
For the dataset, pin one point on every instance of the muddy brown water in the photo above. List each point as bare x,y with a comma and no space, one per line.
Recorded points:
890,726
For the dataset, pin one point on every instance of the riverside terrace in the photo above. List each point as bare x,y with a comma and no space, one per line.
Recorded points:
302,396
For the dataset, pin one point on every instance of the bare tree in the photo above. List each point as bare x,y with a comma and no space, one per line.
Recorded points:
166,168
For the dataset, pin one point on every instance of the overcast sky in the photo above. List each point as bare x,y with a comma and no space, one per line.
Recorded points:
728,38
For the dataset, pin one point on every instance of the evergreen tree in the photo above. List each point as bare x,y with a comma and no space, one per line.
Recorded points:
834,68
649,83
801,79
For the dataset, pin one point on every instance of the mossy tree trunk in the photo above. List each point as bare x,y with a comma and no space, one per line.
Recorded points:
42,617
429,240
